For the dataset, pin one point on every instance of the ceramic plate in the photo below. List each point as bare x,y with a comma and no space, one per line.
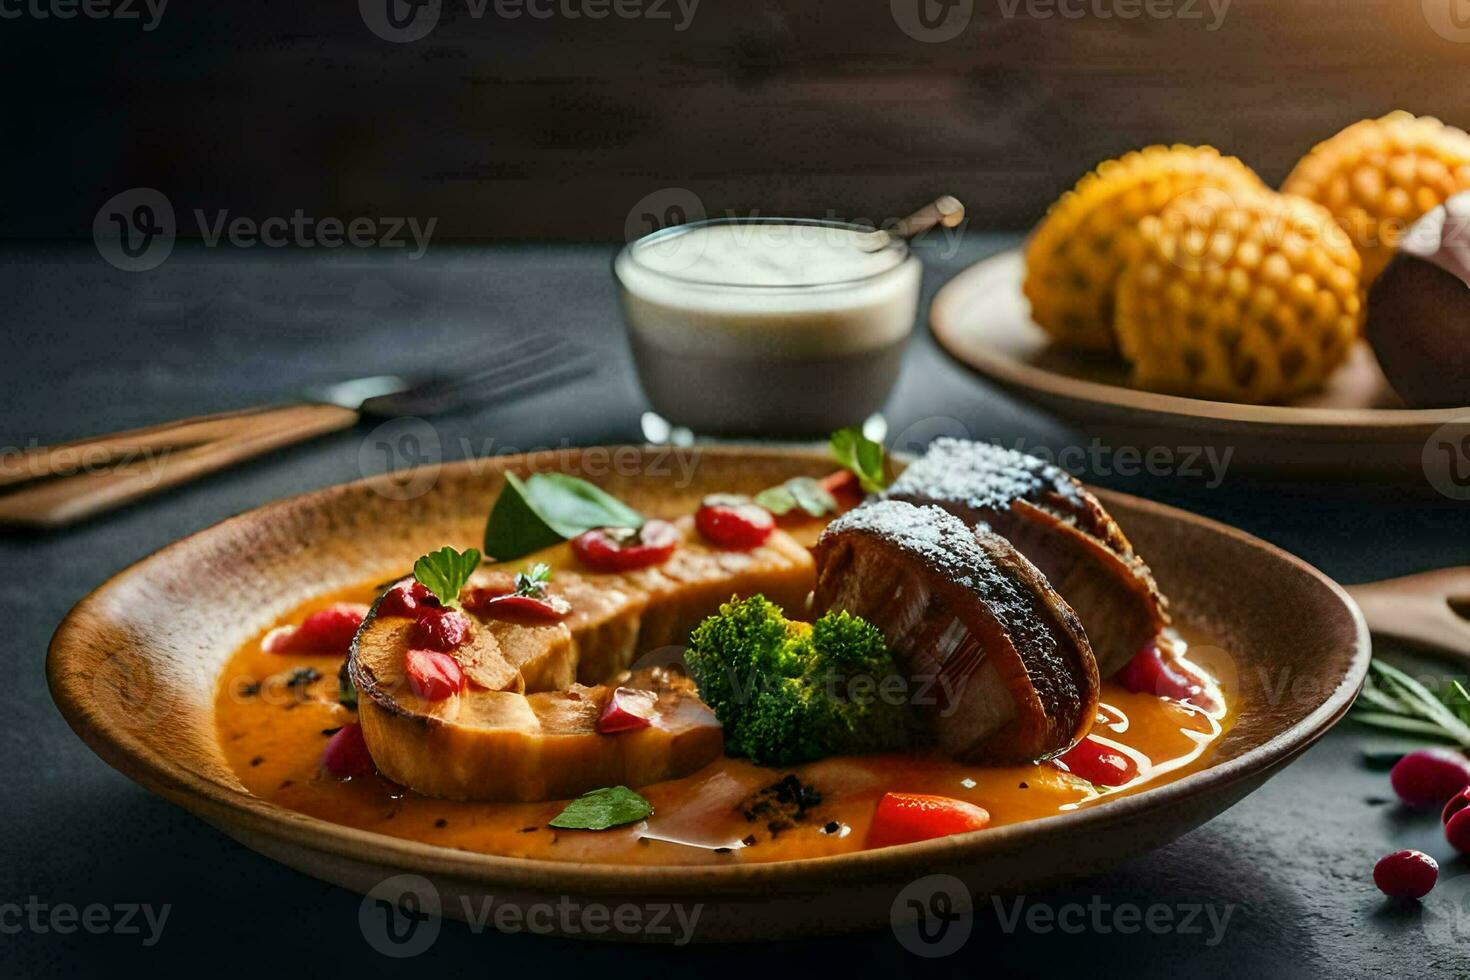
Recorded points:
133,669
1355,427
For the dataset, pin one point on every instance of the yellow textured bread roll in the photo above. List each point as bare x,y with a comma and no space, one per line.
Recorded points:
1244,297
1074,256
1379,176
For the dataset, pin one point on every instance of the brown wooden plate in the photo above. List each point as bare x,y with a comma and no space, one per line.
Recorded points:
1355,427
133,668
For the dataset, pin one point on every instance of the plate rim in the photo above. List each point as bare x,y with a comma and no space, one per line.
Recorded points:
945,325
225,806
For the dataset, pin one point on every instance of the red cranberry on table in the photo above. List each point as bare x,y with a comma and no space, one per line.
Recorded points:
1406,874
1429,777
1457,831
440,629
1458,802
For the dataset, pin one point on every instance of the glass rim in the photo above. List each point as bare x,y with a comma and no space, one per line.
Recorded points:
897,246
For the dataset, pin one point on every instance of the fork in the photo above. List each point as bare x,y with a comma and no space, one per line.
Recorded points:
54,486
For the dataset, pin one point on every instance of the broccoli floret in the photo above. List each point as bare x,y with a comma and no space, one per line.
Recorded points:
789,692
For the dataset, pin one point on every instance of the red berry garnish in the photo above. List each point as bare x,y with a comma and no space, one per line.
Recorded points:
433,676
1457,831
1429,777
734,522
1406,874
1457,803
623,549
1098,763
844,488
407,599
346,754
1151,671
626,710
440,629
517,608
328,632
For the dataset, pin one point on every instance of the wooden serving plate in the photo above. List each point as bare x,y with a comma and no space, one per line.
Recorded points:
1355,427
133,668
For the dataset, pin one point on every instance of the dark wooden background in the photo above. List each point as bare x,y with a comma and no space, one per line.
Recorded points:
556,129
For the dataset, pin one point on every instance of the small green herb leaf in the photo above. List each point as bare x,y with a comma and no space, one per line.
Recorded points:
601,809
798,492
1394,701
547,508
856,452
346,690
533,581
444,573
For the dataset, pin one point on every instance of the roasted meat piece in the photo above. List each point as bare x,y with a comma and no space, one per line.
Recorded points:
1056,523
970,620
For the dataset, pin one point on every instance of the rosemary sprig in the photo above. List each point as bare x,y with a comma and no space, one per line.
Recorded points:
1394,701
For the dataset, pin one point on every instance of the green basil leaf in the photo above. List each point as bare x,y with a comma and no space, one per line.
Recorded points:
444,573
856,452
798,492
547,508
346,690
515,528
601,809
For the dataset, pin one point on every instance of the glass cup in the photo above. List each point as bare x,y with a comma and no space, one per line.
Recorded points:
767,326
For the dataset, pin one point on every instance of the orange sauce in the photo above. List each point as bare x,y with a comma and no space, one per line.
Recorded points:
272,733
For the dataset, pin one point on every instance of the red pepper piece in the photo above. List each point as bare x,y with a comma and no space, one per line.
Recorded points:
626,710
1151,671
1098,763
515,607
407,599
444,630
327,632
346,754
432,674
734,522
608,549
902,818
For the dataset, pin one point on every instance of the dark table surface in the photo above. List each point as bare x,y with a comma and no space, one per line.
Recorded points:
88,348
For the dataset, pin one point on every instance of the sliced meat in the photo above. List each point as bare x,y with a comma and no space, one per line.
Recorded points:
1056,523
508,747
968,617
524,729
